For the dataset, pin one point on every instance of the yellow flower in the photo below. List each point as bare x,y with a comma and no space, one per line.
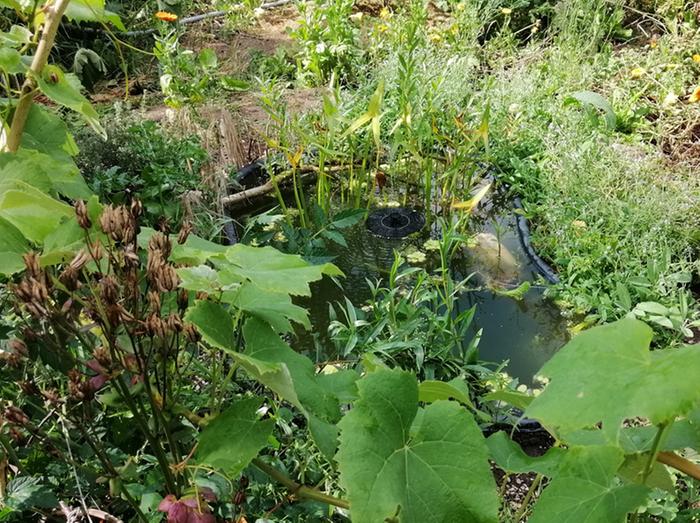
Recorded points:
435,38
382,28
695,97
696,58
579,224
638,72
384,13
653,43
166,16
506,10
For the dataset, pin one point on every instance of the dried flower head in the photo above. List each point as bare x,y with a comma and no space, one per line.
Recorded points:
185,231
118,223
81,213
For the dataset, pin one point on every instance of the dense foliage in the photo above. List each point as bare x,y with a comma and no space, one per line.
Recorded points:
150,374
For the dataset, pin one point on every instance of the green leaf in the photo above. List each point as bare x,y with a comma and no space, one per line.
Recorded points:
263,344
231,83
634,468
431,391
47,133
397,461
27,492
44,173
272,307
32,211
92,11
16,37
270,270
11,61
585,490
214,324
207,58
12,246
605,374
595,100
234,437
216,327
510,456
511,397
64,89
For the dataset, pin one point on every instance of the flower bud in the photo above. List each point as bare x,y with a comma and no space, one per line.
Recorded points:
81,213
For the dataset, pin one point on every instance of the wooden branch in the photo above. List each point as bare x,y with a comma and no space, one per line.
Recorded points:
54,13
674,460
306,173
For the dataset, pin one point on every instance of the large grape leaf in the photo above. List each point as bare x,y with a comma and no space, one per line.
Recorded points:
33,212
609,374
270,270
510,456
585,489
64,89
12,246
234,437
413,465
47,133
274,308
45,173
92,11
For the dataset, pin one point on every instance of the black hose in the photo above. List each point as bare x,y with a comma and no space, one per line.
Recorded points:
524,233
187,20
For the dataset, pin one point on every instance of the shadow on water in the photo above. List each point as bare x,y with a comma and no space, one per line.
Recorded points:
525,332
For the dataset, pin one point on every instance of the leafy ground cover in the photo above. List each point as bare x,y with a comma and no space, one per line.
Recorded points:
149,365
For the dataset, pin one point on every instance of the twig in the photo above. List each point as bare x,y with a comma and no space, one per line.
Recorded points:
297,489
54,14
683,465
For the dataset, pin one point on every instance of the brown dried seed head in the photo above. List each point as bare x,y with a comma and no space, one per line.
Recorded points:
81,213
16,416
17,346
153,298
79,260
109,290
31,261
183,298
167,280
103,357
191,333
175,323
185,231
136,208
160,242
156,327
69,278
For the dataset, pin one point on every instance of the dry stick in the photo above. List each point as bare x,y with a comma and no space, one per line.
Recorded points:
54,14
297,489
269,186
674,460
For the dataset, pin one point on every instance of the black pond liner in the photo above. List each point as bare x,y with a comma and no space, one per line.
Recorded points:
395,222
524,233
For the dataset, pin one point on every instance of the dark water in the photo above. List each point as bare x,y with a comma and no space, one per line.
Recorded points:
526,332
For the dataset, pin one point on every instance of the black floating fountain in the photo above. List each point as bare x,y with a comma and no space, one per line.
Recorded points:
396,222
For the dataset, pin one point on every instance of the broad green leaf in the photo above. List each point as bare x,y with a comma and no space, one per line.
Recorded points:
234,437
342,384
270,270
64,89
272,307
634,467
201,278
25,492
397,461
511,397
33,212
44,172
510,456
431,391
16,37
263,344
11,61
47,133
214,324
605,375
92,11
595,100
585,490
216,327
12,246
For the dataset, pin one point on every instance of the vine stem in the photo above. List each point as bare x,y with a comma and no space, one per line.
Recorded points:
41,58
528,497
297,489
655,447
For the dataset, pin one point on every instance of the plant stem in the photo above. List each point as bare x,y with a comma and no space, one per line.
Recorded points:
528,498
655,450
53,20
297,489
